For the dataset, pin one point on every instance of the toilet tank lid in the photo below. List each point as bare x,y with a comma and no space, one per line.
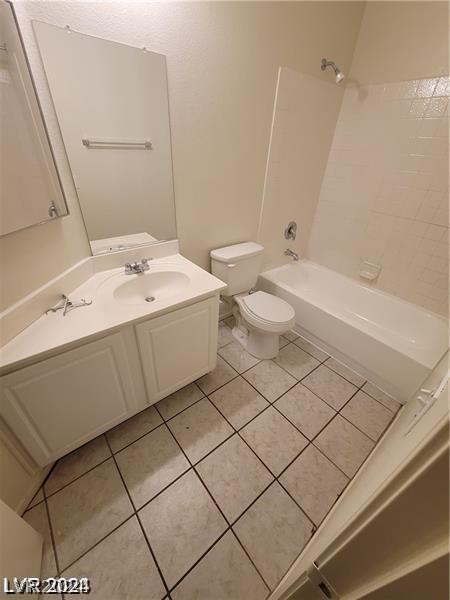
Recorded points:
236,252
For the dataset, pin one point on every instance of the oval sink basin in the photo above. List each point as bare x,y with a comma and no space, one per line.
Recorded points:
150,286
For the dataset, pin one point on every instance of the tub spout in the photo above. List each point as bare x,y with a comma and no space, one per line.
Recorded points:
291,253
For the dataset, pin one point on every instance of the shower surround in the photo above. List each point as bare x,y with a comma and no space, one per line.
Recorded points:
384,195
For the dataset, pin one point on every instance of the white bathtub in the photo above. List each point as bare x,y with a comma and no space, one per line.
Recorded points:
389,341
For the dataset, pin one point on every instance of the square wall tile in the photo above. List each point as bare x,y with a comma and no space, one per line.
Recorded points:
238,401
199,429
368,415
295,361
77,463
274,439
344,445
171,405
134,428
121,566
151,464
269,379
305,410
178,536
88,509
234,476
222,374
225,573
314,482
330,386
273,531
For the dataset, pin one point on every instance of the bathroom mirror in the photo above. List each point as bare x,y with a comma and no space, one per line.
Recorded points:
30,189
112,106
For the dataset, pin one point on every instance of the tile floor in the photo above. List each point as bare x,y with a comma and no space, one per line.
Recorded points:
214,491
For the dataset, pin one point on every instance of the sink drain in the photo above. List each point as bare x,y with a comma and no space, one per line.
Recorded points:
150,298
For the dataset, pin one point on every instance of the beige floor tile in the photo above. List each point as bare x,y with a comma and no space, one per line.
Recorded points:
282,342
330,386
230,322
85,511
222,374
379,395
311,349
273,531
224,336
234,476
344,445
225,573
182,523
306,410
38,497
238,357
314,482
178,401
120,567
150,464
368,415
274,439
76,463
239,402
295,361
199,429
38,519
290,335
133,428
269,379
345,371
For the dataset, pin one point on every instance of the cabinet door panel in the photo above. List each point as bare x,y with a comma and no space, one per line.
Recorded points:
60,403
178,348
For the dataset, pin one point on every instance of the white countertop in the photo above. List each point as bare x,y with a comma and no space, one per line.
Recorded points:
53,332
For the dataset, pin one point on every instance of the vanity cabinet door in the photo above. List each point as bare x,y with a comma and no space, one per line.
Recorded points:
60,403
179,347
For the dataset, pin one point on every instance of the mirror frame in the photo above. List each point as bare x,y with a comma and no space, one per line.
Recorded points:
52,164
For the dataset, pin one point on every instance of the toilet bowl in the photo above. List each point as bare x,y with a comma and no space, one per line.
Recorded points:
266,317
261,317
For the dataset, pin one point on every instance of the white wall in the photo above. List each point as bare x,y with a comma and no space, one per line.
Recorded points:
223,60
305,115
384,196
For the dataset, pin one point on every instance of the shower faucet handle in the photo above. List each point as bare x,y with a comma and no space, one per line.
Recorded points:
290,233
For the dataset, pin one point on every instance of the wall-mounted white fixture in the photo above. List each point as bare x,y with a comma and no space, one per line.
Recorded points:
369,271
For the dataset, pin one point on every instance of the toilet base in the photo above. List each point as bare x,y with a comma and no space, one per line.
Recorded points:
259,345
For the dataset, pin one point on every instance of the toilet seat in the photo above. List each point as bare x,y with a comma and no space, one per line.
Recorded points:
266,312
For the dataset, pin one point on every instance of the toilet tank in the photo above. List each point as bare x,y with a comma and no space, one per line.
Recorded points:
238,266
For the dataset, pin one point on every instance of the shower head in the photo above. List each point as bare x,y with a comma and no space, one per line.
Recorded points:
338,73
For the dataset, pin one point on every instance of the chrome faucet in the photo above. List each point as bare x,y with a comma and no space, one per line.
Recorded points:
291,253
137,267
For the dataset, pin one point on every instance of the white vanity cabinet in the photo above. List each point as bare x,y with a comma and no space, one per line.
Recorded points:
178,348
62,402
55,405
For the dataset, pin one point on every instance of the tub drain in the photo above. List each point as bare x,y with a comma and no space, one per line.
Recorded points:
150,298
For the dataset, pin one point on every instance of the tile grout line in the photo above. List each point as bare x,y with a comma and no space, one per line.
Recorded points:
52,536
139,521
193,466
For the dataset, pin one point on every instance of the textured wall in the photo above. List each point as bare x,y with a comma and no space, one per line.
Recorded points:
223,60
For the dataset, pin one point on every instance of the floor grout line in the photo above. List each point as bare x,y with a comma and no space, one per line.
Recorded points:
236,431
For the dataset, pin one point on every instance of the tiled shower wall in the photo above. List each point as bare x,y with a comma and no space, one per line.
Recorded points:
384,195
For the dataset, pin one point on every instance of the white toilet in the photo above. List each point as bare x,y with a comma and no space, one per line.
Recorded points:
261,317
